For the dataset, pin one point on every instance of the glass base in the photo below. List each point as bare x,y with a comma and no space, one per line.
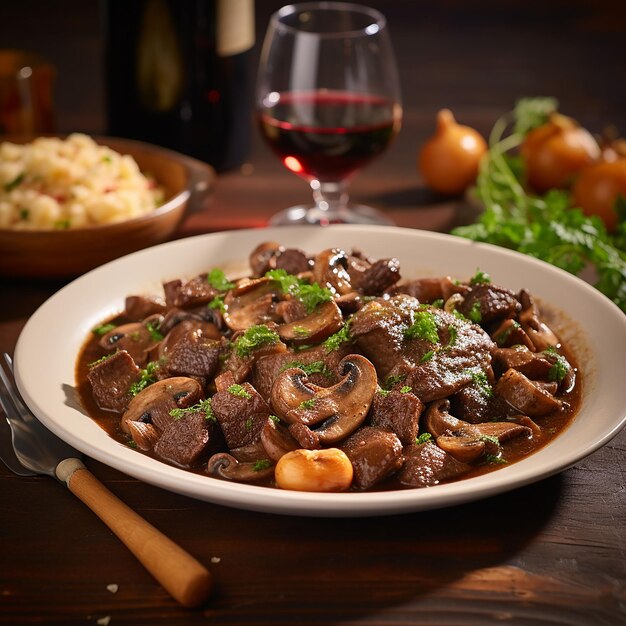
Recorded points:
313,216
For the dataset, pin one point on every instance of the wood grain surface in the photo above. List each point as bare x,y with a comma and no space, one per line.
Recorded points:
552,553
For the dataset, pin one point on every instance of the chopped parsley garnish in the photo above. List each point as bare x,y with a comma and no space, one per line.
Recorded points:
217,303
204,406
100,360
261,465
427,356
383,392
423,438
494,459
146,378
479,378
490,439
341,336
424,326
480,278
560,367
217,279
406,389
275,419
248,424
474,313
253,338
307,404
437,304
316,367
16,182
453,334
300,331
131,443
390,381
310,294
155,334
103,329
239,391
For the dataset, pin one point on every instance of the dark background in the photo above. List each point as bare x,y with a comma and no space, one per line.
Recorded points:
473,57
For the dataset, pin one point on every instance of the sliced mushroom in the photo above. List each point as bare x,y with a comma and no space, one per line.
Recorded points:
437,420
464,447
277,440
136,338
510,333
144,434
137,308
251,303
330,270
539,333
227,466
524,395
314,328
260,258
154,403
343,406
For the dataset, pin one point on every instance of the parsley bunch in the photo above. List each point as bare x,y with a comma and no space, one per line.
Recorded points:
547,227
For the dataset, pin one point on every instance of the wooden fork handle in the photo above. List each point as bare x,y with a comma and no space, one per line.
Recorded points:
187,580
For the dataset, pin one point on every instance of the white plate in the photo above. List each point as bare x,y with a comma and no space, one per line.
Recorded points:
50,342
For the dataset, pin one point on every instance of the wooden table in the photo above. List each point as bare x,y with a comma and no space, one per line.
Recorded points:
550,553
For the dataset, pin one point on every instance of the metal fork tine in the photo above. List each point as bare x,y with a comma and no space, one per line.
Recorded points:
7,453
23,411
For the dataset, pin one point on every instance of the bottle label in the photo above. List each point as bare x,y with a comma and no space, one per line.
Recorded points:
235,27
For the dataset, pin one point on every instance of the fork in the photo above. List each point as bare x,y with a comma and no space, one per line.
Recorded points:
38,451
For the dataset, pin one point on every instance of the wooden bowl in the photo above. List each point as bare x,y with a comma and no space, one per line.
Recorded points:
68,253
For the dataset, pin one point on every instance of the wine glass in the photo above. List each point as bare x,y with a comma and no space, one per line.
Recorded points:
328,102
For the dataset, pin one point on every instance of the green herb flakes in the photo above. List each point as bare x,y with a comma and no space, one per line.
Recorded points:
217,279
424,326
204,406
253,338
103,329
147,378
475,314
239,391
261,464
423,438
341,336
153,329
480,278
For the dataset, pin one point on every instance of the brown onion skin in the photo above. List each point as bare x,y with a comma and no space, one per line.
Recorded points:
597,187
555,153
449,160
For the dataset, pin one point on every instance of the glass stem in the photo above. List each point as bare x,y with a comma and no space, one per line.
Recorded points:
331,198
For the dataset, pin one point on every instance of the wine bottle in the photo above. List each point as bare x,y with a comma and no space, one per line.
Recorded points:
179,74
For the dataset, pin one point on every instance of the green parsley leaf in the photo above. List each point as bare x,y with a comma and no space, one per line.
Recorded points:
427,356
341,336
533,112
103,329
453,334
307,404
147,377
316,367
424,326
152,328
560,368
405,389
311,295
383,392
393,380
100,360
239,391
217,279
423,438
261,464
217,303
254,337
479,378
480,278
494,459
204,406
490,439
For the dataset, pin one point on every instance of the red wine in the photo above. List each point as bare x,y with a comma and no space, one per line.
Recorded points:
328,135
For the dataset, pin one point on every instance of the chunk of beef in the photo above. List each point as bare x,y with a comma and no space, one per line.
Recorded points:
427,290
111,381
486,302
292,260
186,440
378,328
475,403
538,331
192,293
397,412
374,453
439,370
137,308
240,411
192,354
426,465
373,278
